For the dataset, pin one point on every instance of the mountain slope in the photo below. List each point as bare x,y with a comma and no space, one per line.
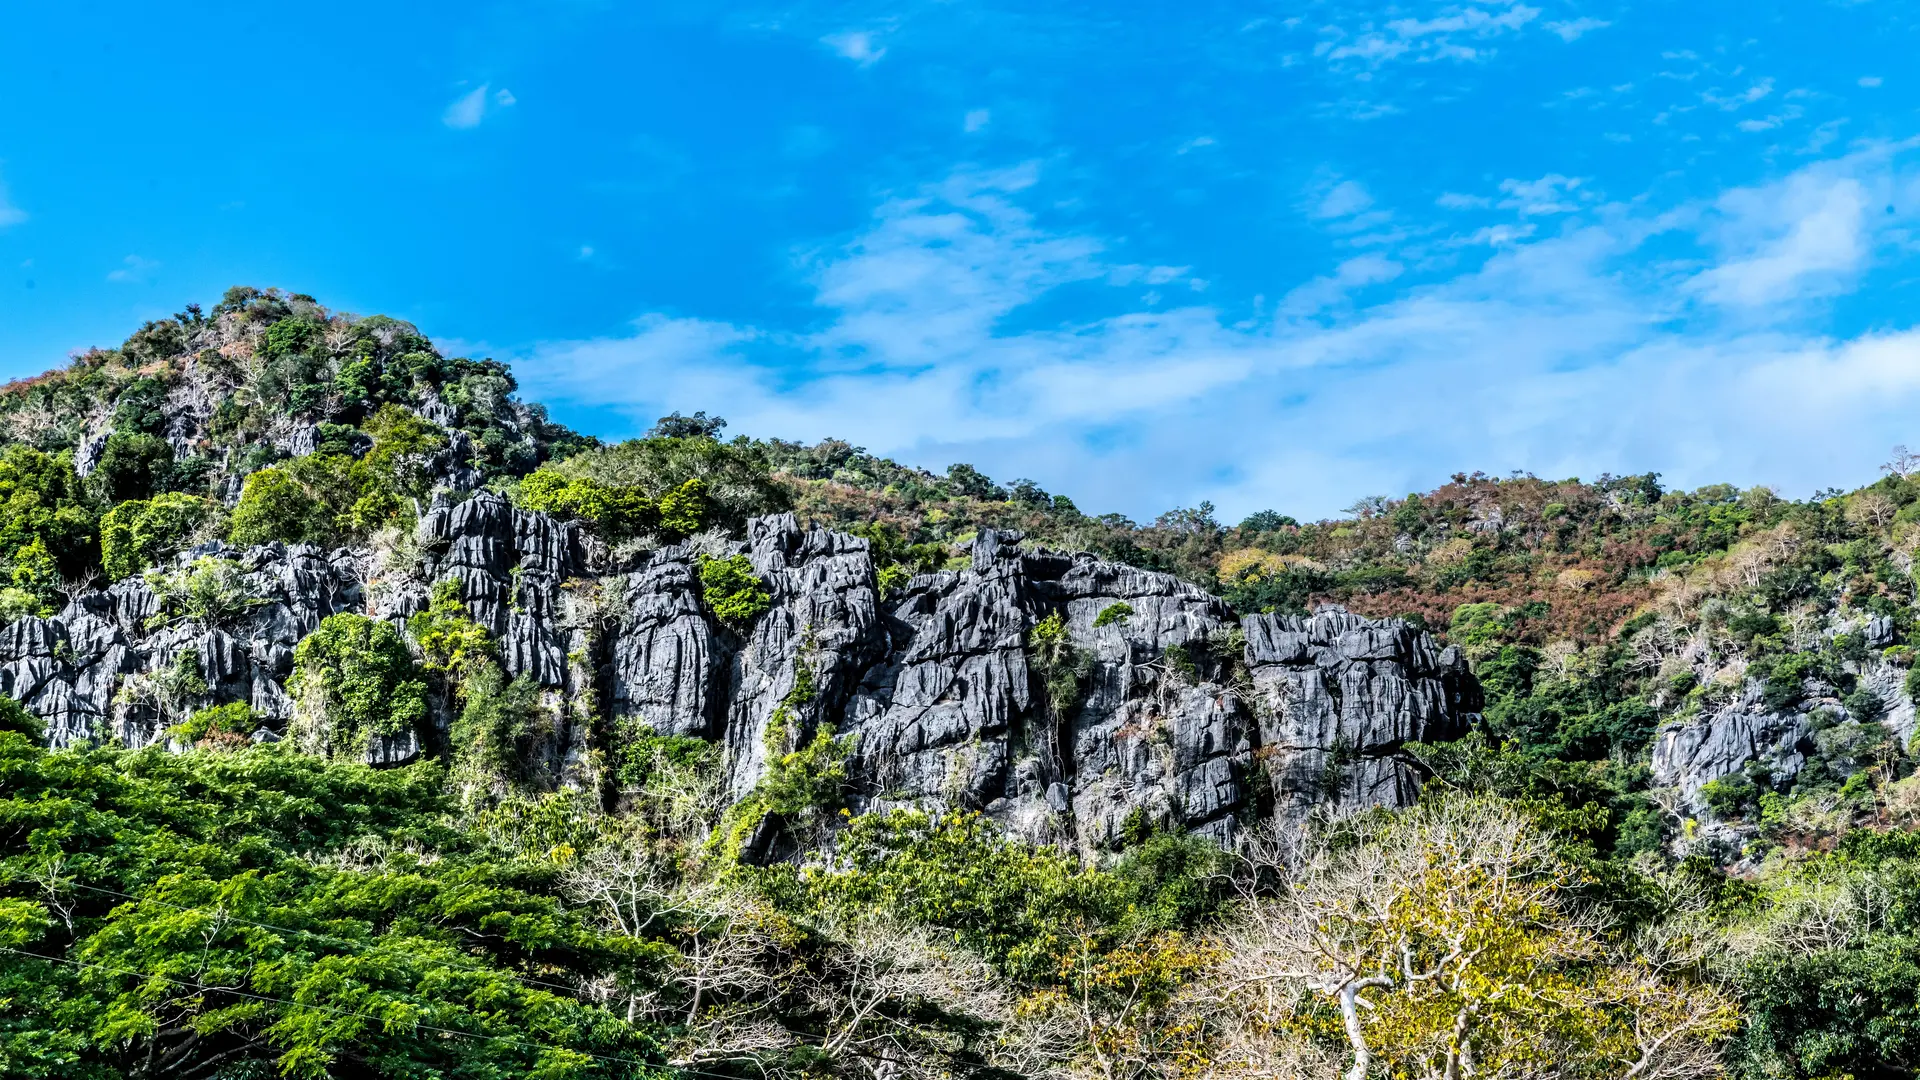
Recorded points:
355,719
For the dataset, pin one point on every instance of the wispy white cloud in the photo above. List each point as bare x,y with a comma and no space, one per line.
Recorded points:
1551,194
976,120
1738,99
1802,238
860,46
469,109
1451,32
1870,81
1574,29
1346,198
1335,289
1498,235
133,270
9,213
1569,353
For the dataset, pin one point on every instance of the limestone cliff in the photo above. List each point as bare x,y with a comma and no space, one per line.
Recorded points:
1180,712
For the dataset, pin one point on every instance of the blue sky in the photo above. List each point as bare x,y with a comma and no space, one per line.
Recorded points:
1145,254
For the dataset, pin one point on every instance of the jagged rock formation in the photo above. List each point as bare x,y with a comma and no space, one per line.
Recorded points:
97,671
1746,737
1183,715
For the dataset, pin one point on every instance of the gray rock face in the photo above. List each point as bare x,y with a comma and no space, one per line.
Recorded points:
104,668
1691,754
1166,710
1343,695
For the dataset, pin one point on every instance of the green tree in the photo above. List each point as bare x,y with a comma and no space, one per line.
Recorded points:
132,466
42,498
450,641
734,594
736,482
227,725
141,532
353,678
210,591
265,913
617,513
273,506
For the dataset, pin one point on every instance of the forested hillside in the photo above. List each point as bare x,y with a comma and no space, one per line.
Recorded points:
361,721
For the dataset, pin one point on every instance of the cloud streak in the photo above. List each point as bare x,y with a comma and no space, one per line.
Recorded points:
1565,353
469,109
9,213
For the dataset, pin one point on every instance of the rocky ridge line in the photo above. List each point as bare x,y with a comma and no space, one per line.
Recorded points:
1185,715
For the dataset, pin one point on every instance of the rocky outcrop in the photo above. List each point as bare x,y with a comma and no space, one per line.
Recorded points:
112,667
1746,737
1688,756
1165,709
1344,696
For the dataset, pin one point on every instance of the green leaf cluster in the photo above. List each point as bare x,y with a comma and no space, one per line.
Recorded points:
356,679
210,590
450,641
1062,666
1026,909
735,482
617,513
263,913
227,724
43,507
734,594
142,532
329,499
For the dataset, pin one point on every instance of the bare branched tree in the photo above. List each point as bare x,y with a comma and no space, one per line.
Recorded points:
1445,941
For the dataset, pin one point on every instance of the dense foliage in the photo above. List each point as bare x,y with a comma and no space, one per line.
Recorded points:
261,913
221,907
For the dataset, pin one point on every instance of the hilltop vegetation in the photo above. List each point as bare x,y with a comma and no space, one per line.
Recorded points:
1564,901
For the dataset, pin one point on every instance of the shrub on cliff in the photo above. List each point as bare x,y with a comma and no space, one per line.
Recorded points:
142,532
736,482
273,506
616,513
354,678
41,498
734,594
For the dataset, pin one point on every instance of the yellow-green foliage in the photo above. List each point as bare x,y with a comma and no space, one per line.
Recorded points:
356,674
43,507
450,641
228,724
803,784
732,591
496,716
618,513
33,582
141,532
684,509
274,506
1062,667
1034,912
736,481
330,498
210,591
